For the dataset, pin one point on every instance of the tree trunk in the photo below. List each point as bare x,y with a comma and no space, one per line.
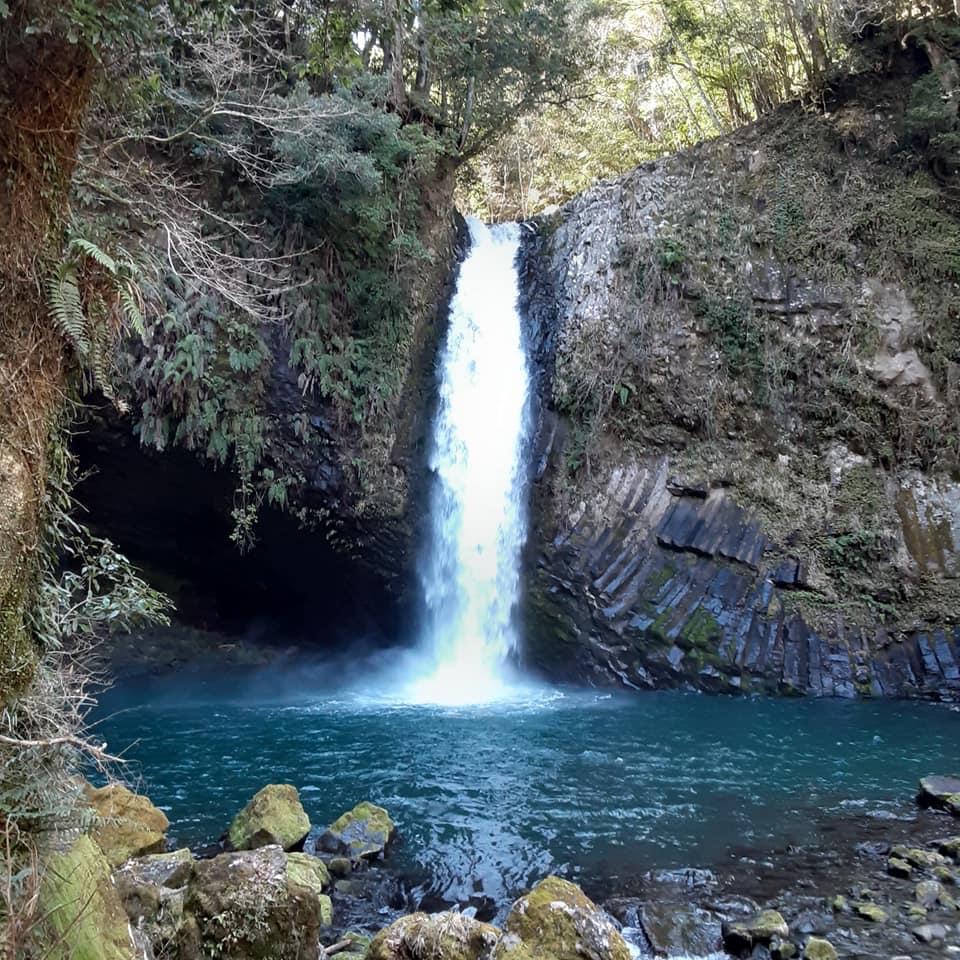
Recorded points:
392,43
44,89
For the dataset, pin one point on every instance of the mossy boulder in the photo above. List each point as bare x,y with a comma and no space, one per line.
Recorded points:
741,936
152,890
557,919
246,905
438,936
918,857
871,912
819,949
950,847
311,872
941,793
899,868
129,824
274,816
363,832
83,909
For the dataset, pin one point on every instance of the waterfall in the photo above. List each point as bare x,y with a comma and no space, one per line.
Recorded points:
470,574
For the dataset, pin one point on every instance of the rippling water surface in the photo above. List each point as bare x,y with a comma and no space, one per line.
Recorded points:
490,798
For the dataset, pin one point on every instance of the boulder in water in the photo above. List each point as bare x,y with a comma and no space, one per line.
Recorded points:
556,919
437,936
82,907
274,816
741,936
365,831
941,793
950,847
675,929
819,949
129,824
248,905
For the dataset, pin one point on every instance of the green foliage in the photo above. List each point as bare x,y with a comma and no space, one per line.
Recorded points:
739,333
932,121
92,297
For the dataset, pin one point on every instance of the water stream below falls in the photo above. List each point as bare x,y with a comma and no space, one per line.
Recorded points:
470,571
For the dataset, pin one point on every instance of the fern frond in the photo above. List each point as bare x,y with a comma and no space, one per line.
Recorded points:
66,306
128,293
90,249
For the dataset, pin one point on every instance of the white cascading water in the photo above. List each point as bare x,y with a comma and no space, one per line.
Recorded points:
470,575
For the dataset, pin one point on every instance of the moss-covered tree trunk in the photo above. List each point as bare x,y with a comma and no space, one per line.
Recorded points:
44,89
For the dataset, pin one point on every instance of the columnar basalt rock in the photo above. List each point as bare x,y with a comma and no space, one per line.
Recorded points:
732,492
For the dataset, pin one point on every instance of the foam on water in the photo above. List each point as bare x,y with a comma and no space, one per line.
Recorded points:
470,572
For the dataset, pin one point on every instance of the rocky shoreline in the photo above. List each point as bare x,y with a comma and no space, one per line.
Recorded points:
278,887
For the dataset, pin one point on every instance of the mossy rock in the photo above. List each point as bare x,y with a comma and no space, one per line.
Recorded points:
950,848
365,831
131,825
244,906
312,873
871,912
556,919
359,943
899,868
308,871
438,936
274,816
741,936
83,911
918,857
819,949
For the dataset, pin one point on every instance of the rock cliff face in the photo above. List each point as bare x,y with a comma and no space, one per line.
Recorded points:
747,453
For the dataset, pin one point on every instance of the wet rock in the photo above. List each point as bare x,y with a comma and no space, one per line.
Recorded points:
819,949
741,936
839,904
870,911
274,816
82,906
246,905
363,832
783,950
556,919
688,877
339,866
941,793
438,936
929,932
927,893
130,826
945,875
950,848
674,929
